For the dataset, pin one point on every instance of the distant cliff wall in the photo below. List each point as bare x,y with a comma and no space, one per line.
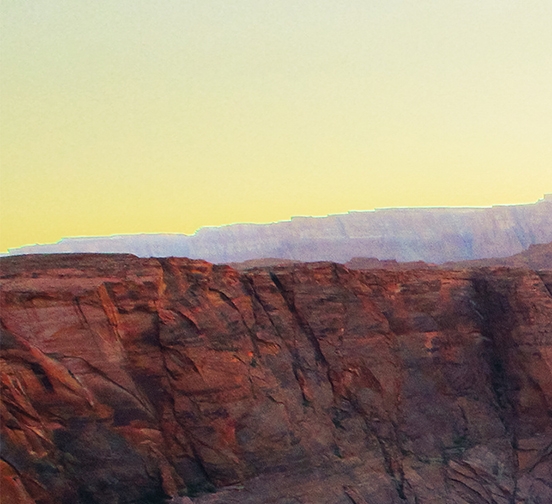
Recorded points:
413,234
125,380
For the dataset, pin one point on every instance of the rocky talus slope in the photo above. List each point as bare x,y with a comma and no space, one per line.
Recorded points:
129,380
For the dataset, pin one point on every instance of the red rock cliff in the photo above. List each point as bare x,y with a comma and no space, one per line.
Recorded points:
129,380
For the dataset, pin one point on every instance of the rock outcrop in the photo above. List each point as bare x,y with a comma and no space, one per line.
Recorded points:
434,235
536,257
130,380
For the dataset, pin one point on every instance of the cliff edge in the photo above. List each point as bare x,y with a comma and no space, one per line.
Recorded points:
129,380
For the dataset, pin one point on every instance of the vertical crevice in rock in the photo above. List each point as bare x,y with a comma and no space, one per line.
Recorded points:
548,287
80,314
256,300
228,301
289,298
496,327
392,462
292,350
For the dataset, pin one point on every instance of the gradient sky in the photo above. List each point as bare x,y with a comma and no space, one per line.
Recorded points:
133,116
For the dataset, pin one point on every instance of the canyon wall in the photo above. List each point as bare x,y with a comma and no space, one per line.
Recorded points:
129,380
434,235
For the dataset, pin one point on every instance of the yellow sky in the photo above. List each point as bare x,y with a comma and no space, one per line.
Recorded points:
134,116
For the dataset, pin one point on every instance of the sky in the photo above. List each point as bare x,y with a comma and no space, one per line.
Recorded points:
163,116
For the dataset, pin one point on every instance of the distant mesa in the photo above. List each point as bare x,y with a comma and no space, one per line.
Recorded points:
432,235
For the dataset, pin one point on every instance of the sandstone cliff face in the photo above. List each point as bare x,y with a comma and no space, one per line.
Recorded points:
408,234
130,380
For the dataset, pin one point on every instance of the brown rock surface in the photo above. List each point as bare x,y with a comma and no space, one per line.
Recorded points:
535,257
131,380
369,263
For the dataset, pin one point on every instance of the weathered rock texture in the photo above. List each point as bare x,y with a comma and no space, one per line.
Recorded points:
409,234
128,380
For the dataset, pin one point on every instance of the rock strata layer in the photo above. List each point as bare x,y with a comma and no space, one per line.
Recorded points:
129,380
434,235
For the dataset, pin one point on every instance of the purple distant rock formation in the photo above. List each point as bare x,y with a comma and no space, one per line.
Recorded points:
434,235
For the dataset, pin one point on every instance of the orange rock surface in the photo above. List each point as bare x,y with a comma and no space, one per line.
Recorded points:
132,380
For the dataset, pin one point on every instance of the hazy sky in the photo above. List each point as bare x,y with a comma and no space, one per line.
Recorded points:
127,116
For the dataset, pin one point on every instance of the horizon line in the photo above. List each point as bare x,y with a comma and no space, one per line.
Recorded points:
546,197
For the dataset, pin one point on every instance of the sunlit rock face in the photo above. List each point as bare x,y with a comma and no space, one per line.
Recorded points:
131,380
435,235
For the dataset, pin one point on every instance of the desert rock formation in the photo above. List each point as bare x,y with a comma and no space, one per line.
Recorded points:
536,257
131,380
434,235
